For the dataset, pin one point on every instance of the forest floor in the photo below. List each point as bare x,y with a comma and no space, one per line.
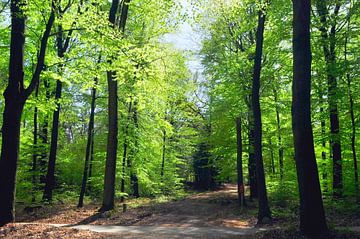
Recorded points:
199,215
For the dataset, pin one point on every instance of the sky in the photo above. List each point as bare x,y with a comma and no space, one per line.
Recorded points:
188,39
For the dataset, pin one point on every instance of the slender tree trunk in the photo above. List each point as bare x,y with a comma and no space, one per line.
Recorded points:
264,214
272,161
312,216
251,161
43,135
50,175
125,147
353,125
35,150
88,144
133,176
278,124
329,48
91,163
163,156
240,177
323,143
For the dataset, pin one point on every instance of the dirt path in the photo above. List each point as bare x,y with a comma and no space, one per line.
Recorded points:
201,215
173,232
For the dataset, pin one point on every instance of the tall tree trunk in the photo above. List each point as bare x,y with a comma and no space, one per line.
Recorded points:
88,144
43,135
352,116
264,214
163,156
15,97
35,149
134,181
125,147
112,141
323,143
278,124
329,48
312,216
240,177
272,161
91,163
251,160
50,175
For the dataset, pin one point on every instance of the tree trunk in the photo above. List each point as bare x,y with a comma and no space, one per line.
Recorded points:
278,124
312,216
15,97
323,143
43,135
264,214
50,175
163,156
35,150
251,161
329,48
88,144
133,176
240,180
91,163
125,147
352,116
112,141
10,152
272,161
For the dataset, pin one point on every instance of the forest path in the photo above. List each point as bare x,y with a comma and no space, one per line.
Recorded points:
213,214
156,232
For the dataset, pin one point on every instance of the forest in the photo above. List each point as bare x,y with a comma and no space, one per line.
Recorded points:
179,119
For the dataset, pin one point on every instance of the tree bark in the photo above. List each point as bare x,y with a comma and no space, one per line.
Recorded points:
43,135
312,216
163,155
112,141
323,143
280,146
251,160
88,144
35,150
134,181
264,214
272,161
240,177
15,97
352,117
125,147
329,48
50,175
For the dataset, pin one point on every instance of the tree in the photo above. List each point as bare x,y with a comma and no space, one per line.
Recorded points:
89,144
15,97
264,213
240,180
110,169
329,49
312,216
